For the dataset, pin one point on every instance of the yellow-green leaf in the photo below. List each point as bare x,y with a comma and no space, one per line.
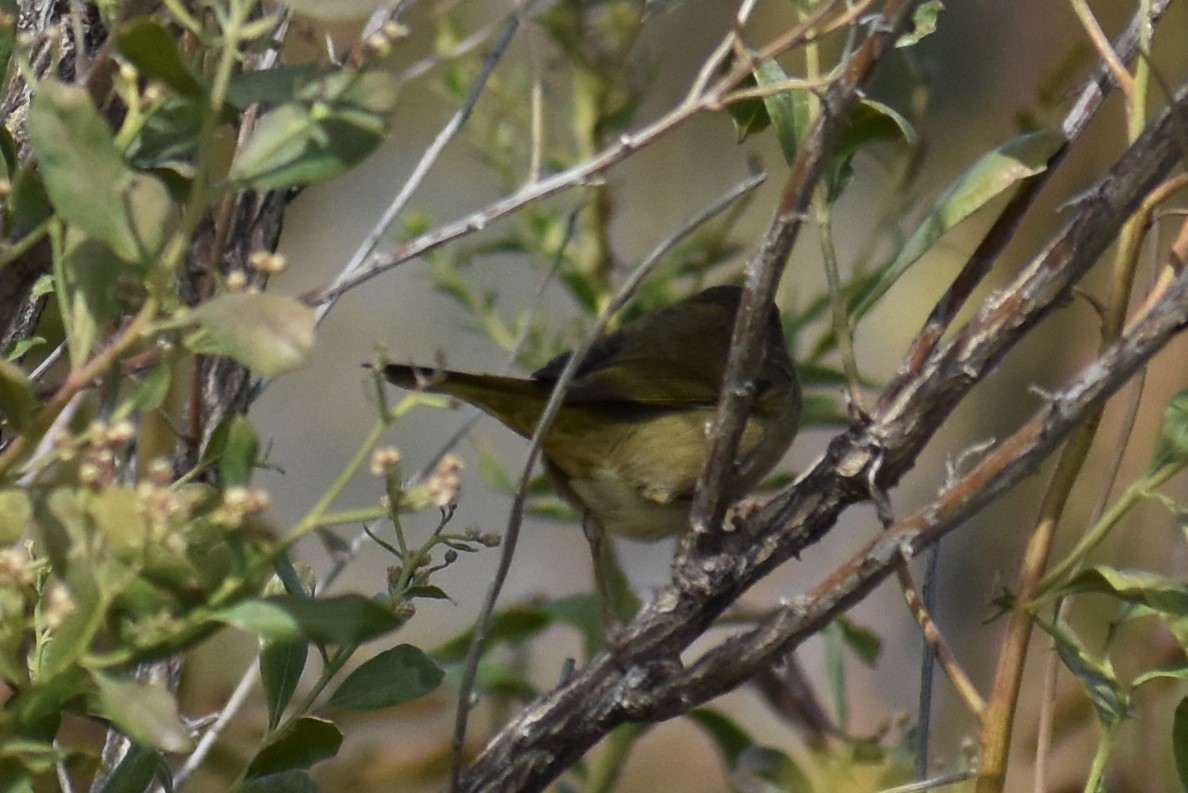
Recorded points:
86,178
996,172
18,404
16,510
269,334
145,713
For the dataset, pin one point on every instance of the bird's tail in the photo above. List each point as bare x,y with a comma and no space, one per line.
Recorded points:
516,402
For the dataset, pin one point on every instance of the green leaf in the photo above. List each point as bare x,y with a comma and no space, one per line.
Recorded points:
272,86
493,473
8,32
30,204
153,389
1096,675
835,672
1172,447
1177,672
749,115
342,119
923,23
23,346
787,110
345,619
509,626
86,178
1016,160
18,403
63,525
119,519
301,743
872,122
295,781
269,334
863,641
38,709
169,136
144,712
8,151
73,639
1165,595
153,50
134,773
281,665
1180,741
427,591
16,511
397,675
239,452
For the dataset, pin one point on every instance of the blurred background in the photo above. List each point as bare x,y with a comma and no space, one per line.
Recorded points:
991,70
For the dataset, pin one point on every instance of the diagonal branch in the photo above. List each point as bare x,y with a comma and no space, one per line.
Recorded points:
1016,458
1089,99
645,679
765,269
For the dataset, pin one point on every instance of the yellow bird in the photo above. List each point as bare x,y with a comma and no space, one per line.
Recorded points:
630,439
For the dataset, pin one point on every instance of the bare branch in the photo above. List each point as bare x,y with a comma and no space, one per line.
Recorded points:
765,269
645,680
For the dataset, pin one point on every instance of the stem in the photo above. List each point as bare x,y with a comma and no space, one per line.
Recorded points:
1095,535
315,516
332,667
994,742
78,380
1096,779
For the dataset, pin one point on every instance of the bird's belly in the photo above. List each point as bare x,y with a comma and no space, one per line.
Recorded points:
621,508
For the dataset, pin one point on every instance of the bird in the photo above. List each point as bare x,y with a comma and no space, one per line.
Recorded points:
631,437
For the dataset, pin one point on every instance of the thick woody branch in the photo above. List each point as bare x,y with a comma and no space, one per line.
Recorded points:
1017,457
1089,99
645,679
765,269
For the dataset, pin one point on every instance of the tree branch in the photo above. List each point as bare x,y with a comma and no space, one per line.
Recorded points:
645,680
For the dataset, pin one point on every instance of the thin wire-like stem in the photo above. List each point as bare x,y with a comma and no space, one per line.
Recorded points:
1126,83
925,607
430,156
703,96
342,560
231,708
515,518
935,642
132,333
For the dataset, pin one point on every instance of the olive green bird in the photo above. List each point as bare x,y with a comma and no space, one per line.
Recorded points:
630,439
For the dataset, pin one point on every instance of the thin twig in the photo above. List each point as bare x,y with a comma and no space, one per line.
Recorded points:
76,381
234,704
699,100
447,133
763,274
1106,52
643,680
931,784
934,641
1084,108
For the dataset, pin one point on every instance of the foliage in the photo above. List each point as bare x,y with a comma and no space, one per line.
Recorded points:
130,528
